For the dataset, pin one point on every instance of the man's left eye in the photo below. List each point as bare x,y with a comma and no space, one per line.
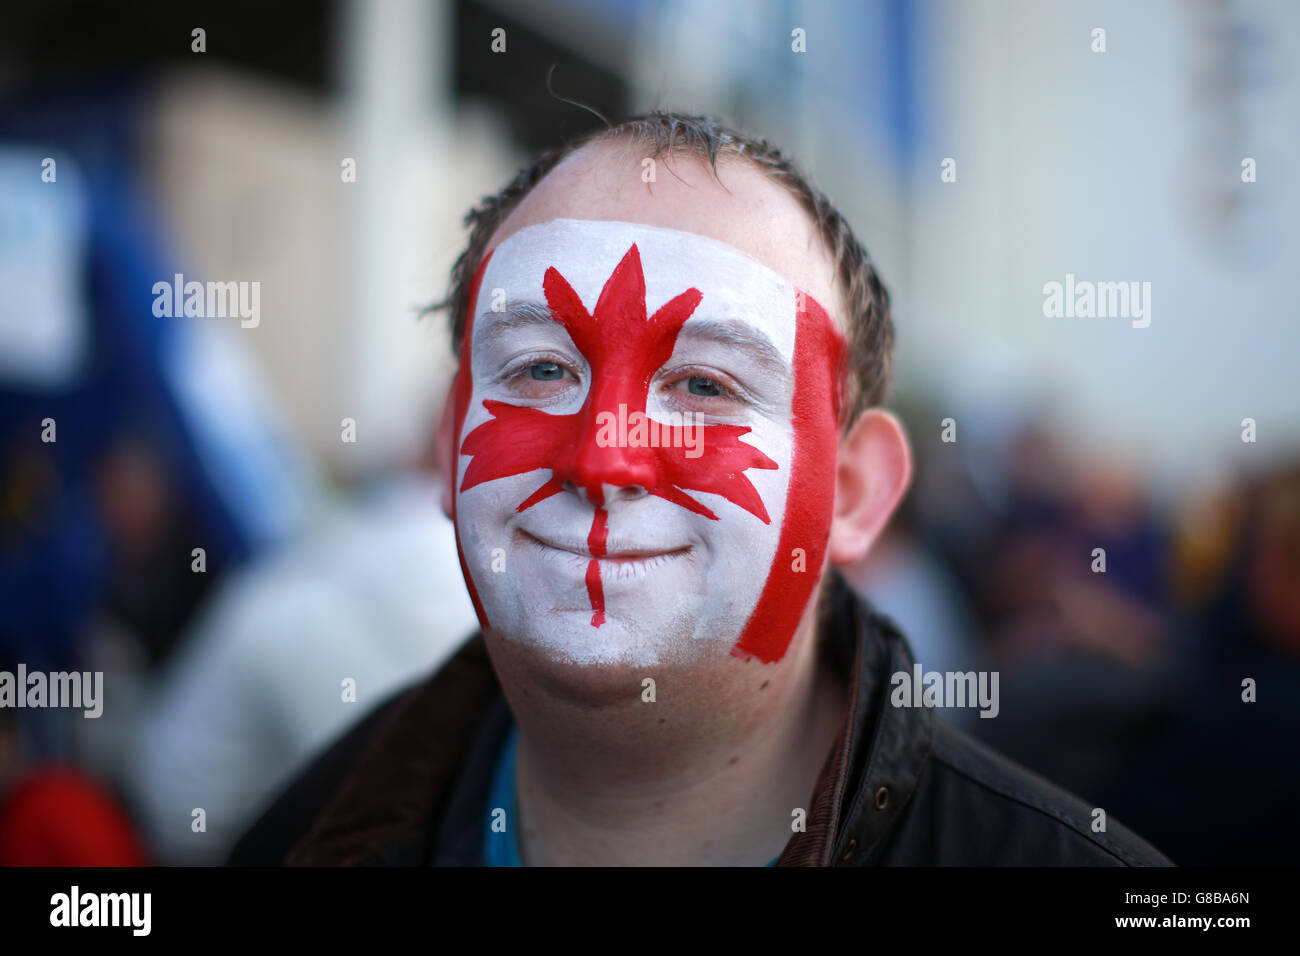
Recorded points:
704,393
699,385
545,371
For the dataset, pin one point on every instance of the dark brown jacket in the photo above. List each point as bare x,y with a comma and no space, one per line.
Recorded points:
901,786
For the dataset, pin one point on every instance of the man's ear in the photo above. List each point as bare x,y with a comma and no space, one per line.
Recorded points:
446,448
875,467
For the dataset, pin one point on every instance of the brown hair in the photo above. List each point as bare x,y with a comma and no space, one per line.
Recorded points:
870,329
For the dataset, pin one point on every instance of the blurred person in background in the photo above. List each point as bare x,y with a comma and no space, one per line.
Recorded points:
127,439
1089,670
1221,785
290,652
141,458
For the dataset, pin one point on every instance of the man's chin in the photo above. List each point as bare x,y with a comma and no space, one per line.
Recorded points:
571,659
538,675
568,636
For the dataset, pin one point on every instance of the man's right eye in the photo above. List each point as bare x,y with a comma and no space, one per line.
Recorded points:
540,379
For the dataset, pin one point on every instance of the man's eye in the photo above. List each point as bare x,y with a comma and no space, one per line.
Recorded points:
545,371
539,379
704,394
699,385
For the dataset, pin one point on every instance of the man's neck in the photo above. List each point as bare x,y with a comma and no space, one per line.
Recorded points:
712,772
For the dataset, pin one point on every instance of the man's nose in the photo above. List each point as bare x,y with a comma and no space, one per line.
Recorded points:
610,471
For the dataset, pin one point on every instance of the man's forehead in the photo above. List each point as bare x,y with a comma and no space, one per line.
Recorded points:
736,289
740,207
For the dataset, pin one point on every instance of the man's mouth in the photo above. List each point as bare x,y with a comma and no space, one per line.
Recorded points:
619,554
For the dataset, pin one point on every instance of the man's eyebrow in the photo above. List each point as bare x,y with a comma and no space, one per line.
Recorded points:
739,335
517,315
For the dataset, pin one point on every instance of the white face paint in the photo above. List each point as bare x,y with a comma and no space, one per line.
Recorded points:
676,585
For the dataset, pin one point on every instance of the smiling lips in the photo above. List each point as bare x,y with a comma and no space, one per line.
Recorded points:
614,554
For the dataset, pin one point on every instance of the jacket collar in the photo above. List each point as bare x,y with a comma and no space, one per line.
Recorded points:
872,769
427,764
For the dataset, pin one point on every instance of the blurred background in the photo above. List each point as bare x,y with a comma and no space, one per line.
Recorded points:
224,516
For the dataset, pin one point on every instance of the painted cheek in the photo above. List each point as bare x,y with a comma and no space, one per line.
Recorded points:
819,373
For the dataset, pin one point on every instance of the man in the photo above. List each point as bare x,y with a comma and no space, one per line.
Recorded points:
666,436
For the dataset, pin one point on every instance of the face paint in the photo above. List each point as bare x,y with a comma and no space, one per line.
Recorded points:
625,470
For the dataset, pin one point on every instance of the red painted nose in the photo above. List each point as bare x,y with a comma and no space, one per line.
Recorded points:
598,462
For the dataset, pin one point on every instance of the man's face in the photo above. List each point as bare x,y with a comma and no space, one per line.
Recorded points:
646,420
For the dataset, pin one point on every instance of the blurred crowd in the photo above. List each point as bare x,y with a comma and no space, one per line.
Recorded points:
1148,644
161,524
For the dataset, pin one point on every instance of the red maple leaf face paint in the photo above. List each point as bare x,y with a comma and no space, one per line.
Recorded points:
624,486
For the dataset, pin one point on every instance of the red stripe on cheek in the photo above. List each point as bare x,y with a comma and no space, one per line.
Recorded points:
810,497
